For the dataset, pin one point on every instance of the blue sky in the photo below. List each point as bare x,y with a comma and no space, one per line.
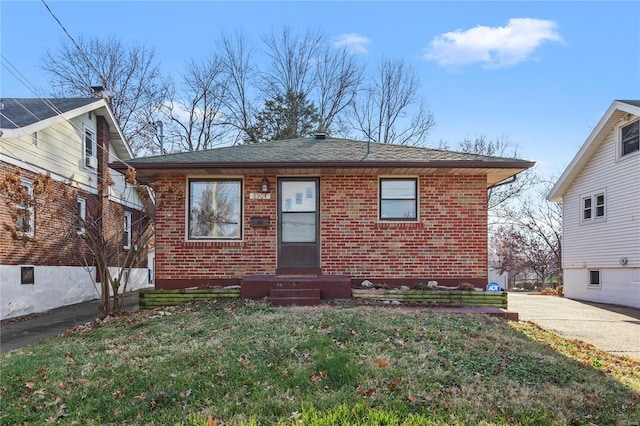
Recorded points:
538,73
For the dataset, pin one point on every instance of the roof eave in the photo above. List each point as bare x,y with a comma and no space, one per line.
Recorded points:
582,157
329,164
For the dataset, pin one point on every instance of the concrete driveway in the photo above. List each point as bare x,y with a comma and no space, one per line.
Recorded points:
614,329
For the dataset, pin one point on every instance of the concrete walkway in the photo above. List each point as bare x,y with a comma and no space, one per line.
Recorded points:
43,326
614,329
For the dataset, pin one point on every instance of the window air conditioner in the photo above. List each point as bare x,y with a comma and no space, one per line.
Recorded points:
91,162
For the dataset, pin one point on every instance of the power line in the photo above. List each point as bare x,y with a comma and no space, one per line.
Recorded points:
87,60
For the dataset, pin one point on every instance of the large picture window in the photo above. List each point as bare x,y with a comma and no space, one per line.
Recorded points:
215,208
398,199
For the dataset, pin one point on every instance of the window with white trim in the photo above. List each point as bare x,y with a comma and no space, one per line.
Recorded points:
81,214
594,278
630,138
127,231
398,199
25,215
593,207
215,209
90,148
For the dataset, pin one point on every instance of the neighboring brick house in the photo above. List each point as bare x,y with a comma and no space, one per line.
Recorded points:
43,265
321,212
600,195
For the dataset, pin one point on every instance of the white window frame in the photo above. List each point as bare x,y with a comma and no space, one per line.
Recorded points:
82,214
619,141
416,199
86,153
127,231
29,208
590,283
240,235
594,207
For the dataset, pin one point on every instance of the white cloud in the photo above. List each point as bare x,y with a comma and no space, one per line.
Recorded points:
353,42
494,47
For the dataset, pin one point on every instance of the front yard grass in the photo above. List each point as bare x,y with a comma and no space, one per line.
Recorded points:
238,362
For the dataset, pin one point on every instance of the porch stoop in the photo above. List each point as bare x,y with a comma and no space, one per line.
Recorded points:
294,296
330,286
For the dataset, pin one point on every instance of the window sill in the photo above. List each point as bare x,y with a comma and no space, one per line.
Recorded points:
399,224
214,243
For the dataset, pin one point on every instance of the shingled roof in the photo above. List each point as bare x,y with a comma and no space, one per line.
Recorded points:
22,112
319,155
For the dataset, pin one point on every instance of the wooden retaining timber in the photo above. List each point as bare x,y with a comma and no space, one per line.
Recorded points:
151,298
436,297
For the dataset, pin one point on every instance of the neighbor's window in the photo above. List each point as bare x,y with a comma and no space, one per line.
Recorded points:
27,275
586,208
215,208
25,215
90,151
81,212
398,199
593,207
127,231
594,278
630,138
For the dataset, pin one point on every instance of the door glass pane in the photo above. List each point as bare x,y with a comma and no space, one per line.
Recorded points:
298,227
298,196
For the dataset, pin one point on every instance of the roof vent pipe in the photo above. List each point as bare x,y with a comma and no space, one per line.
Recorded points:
321,135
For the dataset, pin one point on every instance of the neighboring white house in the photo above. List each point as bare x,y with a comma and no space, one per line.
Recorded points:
600,195
72,139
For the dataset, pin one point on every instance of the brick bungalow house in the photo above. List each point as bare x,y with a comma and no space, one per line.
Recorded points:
42,261
321,213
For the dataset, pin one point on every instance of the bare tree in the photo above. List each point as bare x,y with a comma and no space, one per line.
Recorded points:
535,231
196,120
292,61
339,77
92,238
238,102
130,75
390,109
499,196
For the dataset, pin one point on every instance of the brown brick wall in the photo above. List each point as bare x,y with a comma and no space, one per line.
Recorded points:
54,242
449,241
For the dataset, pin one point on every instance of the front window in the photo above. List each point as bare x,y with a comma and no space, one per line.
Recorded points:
25,216
630,138
215,208
398,199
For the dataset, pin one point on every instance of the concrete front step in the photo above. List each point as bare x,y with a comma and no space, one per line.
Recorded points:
294,296
331,286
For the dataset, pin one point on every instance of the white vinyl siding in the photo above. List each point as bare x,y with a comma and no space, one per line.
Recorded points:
603,242
60,150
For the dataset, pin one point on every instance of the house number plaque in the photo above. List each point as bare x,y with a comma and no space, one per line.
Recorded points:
259,196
